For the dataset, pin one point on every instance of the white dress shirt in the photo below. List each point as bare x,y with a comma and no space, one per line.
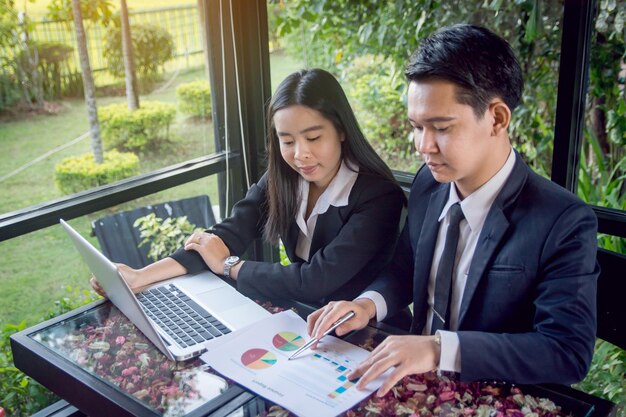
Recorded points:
336,195
475,208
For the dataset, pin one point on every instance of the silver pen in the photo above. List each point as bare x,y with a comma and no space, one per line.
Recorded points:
336,324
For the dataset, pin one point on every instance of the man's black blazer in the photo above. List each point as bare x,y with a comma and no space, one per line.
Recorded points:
350,244
528,313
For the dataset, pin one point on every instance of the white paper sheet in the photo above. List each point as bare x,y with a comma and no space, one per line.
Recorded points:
314,384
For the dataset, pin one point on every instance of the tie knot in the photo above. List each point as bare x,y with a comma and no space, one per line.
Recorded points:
456,214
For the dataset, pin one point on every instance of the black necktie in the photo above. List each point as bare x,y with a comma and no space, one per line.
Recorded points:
443,280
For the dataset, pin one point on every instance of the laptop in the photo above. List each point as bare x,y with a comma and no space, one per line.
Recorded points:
210,307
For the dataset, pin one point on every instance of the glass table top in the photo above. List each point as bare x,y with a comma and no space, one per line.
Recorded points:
103,342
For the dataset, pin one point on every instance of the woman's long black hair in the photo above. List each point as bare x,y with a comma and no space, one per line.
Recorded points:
318,90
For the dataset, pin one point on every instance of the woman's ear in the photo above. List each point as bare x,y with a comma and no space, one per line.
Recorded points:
501,115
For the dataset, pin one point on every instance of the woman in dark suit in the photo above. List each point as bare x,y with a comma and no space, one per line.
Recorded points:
326,195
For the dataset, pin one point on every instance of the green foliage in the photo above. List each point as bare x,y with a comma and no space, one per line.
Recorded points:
152,46
163,236
9,91
20,394
606,375
40,65
76,297
603,184
378,96
282,253
139,130
95,11
78,173
8,25
333,34
195,98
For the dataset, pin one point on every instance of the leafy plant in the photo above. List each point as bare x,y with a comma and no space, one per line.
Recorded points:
282,254
39,67
378,93
163,236
136,130
96,11
152,45
78,173
21,395
195,98
606,375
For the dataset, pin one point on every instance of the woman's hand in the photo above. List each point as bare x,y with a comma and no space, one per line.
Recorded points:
212,249
321,320
131,276
408,354
139,279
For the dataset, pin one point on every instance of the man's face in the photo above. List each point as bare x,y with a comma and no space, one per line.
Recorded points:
456,146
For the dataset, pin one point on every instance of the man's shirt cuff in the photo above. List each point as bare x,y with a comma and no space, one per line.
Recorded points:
450,359
379,302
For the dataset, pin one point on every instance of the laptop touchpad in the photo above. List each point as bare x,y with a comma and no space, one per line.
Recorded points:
221,299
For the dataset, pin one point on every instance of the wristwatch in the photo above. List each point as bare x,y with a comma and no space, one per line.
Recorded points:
229,263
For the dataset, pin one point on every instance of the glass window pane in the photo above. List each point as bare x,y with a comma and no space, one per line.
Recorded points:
44,118
368,45
602,174
38,267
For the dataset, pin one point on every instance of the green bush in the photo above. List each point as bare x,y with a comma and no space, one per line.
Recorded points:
378,94
195,98
9,91
137,130
164,236
78,173
606,375
152,46
41,67
20,395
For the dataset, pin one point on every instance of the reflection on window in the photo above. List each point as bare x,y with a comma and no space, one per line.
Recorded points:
367,46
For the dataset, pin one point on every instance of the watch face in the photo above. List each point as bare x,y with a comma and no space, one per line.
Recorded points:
232,260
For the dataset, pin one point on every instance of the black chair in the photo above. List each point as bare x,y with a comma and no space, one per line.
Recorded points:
119,240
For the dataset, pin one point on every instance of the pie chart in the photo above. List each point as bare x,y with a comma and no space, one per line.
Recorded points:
258,359
287,341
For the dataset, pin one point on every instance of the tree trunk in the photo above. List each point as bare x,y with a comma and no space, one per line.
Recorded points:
598,124
205,41
129,59
88,84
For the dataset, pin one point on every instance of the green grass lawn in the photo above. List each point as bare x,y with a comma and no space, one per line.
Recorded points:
36,268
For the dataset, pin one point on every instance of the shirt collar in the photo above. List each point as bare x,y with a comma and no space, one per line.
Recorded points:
476,205
336,194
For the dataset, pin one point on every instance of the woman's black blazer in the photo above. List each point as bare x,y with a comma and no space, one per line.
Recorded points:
350,245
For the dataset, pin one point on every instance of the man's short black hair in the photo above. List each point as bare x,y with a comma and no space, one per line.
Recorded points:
480,63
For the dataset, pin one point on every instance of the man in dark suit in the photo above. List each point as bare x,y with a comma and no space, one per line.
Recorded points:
498,262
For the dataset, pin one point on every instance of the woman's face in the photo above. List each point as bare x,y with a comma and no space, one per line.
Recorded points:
309,143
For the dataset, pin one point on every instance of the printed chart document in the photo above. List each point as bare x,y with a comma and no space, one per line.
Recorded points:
313,384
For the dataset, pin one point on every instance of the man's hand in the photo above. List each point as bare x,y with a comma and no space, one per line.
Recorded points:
321,320
212,249
408,354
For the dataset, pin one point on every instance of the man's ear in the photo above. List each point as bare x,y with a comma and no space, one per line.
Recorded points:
501,115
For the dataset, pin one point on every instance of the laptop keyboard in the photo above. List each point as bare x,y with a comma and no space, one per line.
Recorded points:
179,316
